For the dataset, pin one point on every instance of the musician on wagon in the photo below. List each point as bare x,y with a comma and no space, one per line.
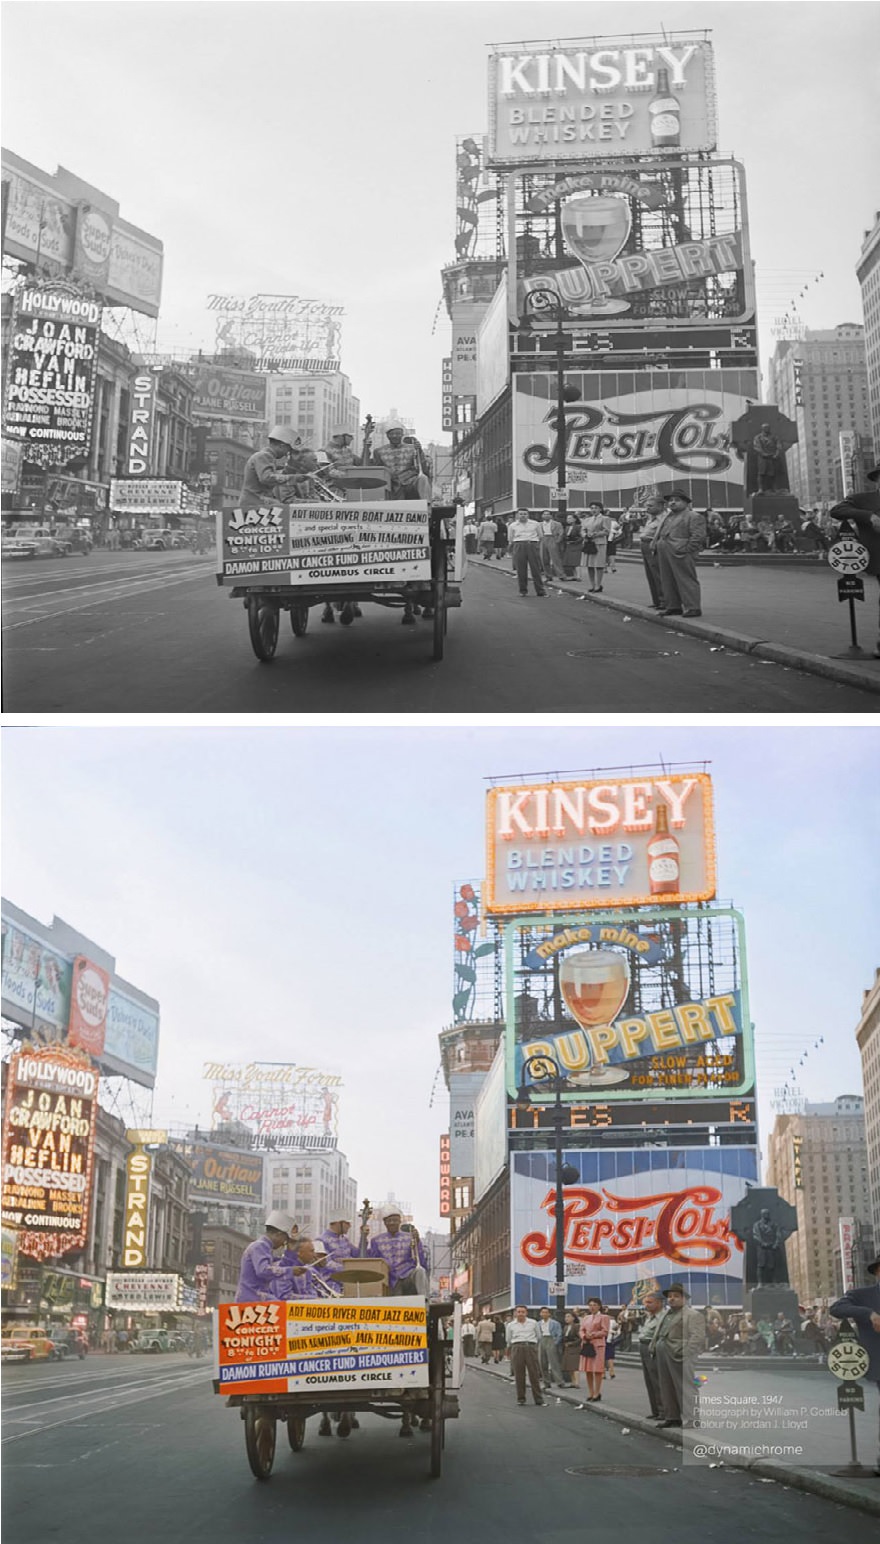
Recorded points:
336,1243
267,1264
404,1251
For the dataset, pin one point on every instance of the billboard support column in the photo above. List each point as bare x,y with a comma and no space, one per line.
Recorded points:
543,1067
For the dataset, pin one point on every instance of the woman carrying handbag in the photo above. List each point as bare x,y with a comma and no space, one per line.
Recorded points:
594,1332
597,529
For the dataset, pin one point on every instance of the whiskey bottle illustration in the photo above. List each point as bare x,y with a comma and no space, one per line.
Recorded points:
664,856
665,115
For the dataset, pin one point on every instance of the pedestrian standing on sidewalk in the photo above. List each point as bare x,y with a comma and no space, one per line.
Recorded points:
597,530
525,541
499,1342
500,537
862,510
551,547
680,535
522,1348
572,546
655,508
486,537
485,1332
571,1349
611,1346
655,1308
678,1341
862,1306
595,1325
550,1338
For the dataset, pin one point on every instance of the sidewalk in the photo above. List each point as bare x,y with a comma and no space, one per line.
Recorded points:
789,615
625,1401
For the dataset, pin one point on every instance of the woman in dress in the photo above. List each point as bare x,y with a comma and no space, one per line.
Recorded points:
595,1325
611,1346
572,546
571,1349
597,529
499,1341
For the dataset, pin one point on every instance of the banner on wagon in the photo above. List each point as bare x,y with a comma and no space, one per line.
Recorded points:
316,545
299,1346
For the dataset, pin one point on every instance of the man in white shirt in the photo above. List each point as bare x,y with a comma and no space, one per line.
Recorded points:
524,536
522,1349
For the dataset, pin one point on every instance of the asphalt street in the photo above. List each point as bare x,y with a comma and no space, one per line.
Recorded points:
141,1449
142,632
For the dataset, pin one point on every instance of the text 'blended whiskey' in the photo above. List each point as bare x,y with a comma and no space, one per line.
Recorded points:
664,856
665,114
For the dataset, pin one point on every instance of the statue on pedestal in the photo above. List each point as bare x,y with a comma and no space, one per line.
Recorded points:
762,1221
768,468
771,1267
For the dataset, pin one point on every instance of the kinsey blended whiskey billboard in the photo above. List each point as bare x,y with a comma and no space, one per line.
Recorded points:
634,1216
621,842
599,98
48,1143
650,1008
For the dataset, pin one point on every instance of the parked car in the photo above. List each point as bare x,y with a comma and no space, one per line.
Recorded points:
24,1343
163,541
153,1341
35,541
68,1342
76,538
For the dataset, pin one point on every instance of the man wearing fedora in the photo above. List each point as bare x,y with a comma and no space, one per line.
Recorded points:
862,1306
679,1338
679,537
862,510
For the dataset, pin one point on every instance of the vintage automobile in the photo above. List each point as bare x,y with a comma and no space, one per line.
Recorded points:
162,540
25,1343
153,1341
68,1342
34,541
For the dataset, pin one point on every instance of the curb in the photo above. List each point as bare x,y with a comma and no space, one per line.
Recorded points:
742,643
809,1480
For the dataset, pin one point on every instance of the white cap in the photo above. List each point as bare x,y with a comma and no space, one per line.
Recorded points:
339,429
283,433
331,1219
395,424
282,1221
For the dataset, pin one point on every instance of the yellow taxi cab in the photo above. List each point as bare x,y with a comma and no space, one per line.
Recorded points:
25,1343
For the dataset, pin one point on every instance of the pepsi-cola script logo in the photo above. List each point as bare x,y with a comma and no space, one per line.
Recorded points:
686,439
682,1226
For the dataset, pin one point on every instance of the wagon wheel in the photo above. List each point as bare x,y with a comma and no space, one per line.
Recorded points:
263,627
438,601
296,1431
299,618
438,1434
259,1439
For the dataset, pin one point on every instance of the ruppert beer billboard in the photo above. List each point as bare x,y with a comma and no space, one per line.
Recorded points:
622,842
600,98
652,1007
633,1215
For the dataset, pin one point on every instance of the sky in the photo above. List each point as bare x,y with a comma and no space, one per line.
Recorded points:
309,149
286,894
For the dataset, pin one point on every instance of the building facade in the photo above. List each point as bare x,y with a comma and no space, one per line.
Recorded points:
818,1161
314,405
314,1188
821,382
868,1038
868,273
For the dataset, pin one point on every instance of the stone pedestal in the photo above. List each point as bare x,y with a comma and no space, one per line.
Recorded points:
773,507
766,1302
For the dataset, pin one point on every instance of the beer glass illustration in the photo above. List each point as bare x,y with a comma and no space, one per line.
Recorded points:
595,985
595,229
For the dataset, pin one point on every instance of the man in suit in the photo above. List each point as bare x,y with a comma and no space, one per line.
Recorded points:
549,1338
679,1338
862,1306
680,535
654,1311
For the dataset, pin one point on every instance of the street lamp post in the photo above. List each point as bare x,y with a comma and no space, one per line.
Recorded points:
564,1173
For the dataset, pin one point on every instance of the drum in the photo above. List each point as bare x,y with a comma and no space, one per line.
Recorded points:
362,1278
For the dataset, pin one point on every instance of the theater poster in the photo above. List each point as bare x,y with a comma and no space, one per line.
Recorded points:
634,1215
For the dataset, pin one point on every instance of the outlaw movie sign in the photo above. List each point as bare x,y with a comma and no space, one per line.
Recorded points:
48,1142
224,1174
225,393
632,1213
626,842
599,98
299,544
50,377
